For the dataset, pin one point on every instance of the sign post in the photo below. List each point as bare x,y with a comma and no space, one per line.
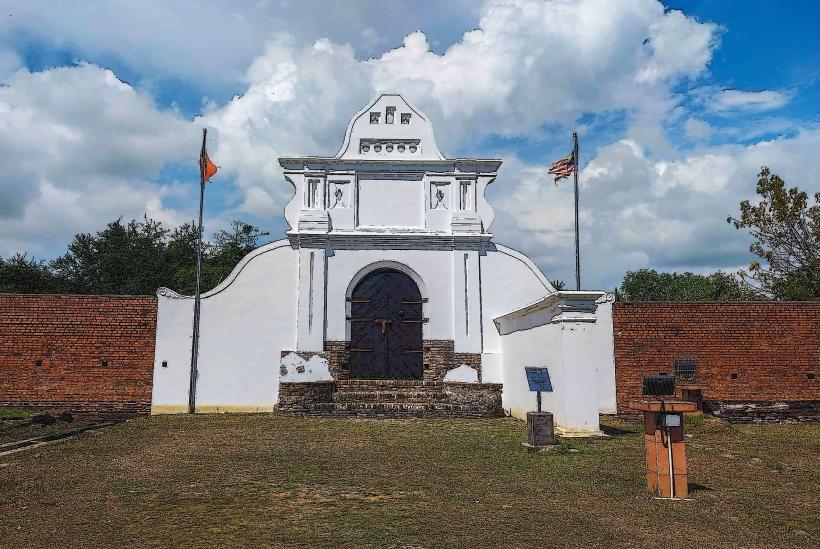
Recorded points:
540,426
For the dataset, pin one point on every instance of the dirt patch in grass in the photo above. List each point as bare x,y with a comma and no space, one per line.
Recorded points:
16,424
269,480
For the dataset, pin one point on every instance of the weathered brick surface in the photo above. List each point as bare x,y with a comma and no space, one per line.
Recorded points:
337,354
438,356
80,353
385,398
773,350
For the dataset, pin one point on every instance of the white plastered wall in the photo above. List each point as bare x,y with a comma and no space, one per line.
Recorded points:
577,350
432,270
246,322
509,281
605,359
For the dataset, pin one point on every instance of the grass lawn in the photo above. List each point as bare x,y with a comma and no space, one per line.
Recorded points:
268,480
15,424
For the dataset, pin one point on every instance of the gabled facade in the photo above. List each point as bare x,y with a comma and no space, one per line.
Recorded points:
388,271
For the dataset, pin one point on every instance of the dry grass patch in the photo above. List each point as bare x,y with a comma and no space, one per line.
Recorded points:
269,480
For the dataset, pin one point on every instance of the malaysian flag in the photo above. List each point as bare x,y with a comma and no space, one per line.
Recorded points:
562,168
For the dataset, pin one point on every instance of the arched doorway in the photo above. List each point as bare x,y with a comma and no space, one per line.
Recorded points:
386,327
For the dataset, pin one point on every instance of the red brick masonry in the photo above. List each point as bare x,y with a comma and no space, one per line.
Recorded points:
78,353
752,359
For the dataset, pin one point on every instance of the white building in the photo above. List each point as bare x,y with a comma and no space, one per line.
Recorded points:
389,271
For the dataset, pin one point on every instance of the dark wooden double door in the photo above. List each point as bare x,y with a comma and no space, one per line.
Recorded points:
386,327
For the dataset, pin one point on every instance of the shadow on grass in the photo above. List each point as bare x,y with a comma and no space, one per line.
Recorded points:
695,487
615,431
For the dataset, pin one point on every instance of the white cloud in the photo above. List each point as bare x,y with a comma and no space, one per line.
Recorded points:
9,63
79,148
735,100
680,44
211,42
697,129
638,212
528,65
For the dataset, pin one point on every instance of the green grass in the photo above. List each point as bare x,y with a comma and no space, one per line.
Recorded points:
14,413
268,480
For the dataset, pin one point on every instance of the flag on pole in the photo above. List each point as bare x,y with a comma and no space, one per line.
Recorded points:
207,169
562,168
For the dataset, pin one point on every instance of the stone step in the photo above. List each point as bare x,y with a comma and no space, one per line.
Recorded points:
390,410
405,395
388,383
386,398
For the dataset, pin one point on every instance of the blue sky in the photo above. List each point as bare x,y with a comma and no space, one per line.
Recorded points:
677,106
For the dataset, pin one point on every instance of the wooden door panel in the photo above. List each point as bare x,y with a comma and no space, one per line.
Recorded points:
386,327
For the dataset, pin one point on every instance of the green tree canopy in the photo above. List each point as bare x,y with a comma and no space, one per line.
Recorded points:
786,233
22,274
133,258
650,285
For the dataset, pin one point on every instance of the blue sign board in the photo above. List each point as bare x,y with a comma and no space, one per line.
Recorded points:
538,379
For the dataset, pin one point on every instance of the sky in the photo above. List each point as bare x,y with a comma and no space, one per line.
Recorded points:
677,107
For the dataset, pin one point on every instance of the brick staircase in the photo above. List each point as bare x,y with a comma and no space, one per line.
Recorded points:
388,398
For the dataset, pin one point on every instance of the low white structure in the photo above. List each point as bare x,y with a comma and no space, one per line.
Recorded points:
388,271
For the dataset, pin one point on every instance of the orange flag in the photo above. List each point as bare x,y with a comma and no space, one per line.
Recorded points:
207,169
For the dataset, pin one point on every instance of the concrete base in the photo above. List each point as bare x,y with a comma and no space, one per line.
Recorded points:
530,448
209,409
575,433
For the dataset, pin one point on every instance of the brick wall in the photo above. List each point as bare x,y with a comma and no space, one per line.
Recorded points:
438,356
78,353
751,358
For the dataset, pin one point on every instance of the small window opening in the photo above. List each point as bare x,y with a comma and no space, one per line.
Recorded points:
685,368
38,362
466,197
810,376
374,117
734,376
164,363
104,363
405,118
389,115
313,193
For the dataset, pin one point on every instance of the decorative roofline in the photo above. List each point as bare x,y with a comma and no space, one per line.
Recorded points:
299,163
347,143
558,307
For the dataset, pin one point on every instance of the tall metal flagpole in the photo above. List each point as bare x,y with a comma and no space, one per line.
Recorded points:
195,342
577,247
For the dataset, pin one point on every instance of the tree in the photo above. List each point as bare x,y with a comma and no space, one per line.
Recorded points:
218,257
786,232
650,285
23,275
133,258
558,284
121,259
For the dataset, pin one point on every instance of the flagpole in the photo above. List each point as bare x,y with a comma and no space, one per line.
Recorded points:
577,246
195,342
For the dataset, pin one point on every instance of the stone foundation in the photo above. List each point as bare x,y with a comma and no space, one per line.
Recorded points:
391,399
294,396
764,412
337,354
